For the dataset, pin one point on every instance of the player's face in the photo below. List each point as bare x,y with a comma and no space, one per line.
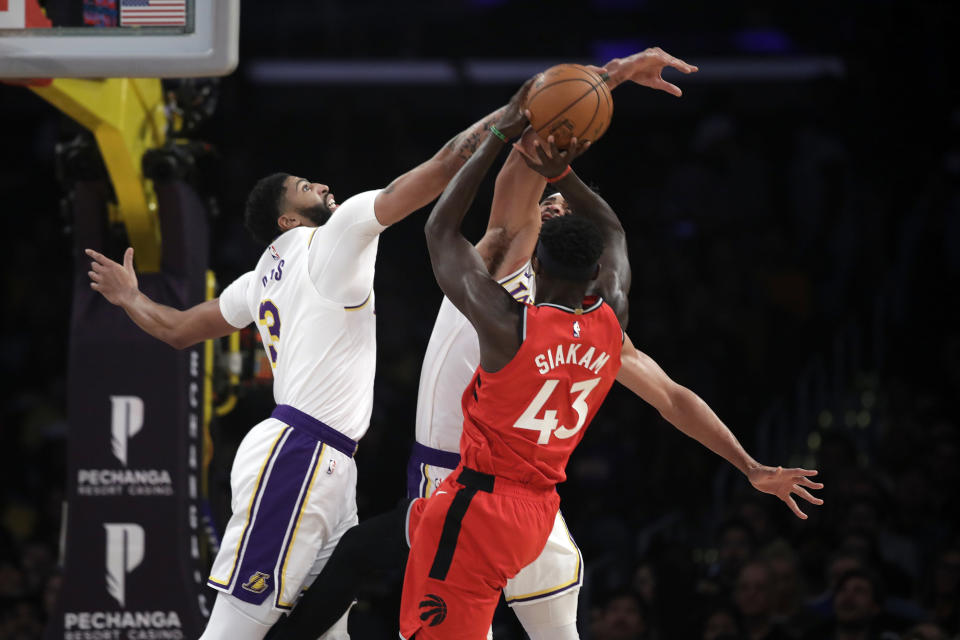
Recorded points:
553,207
310,199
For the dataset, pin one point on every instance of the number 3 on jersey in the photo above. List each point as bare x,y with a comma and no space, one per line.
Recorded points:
548,423
270,318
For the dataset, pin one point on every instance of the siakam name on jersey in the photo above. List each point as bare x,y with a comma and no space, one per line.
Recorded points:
553,358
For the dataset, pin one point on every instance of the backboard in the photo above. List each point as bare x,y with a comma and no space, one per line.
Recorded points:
121,38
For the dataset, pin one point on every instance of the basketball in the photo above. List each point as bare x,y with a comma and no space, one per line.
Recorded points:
568,101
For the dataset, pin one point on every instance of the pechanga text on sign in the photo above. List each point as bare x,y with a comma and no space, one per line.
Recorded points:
126,421
131,482
122,625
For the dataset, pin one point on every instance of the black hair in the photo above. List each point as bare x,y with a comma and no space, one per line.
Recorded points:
263,207
551,190
573,242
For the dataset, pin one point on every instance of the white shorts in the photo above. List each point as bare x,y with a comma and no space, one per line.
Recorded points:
557,570
293,498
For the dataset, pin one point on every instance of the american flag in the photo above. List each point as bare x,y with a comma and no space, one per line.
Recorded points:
153,13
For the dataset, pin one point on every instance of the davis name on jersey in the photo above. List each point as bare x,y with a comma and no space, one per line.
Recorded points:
553,358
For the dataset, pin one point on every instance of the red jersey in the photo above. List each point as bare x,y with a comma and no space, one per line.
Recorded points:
523,422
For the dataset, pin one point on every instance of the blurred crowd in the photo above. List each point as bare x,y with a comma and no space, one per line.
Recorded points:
749,245
880,559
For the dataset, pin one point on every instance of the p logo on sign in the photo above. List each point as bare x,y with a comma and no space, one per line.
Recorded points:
125,546
126,420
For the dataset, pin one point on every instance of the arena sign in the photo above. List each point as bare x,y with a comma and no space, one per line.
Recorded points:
134,564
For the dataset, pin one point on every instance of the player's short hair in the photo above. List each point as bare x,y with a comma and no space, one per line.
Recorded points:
263,207
569,247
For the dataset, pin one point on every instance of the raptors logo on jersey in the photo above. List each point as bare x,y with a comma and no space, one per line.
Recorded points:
524,421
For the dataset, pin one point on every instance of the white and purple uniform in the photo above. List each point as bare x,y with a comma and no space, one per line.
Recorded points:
452,357
294,477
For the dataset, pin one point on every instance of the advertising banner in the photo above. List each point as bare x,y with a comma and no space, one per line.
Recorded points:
134,561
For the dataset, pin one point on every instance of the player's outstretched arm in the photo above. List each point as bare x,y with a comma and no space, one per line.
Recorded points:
422,184
180,329
686,411
457,265
514,223
615,276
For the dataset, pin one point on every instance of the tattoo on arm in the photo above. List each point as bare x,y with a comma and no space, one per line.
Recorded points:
390,187
468,146
472,138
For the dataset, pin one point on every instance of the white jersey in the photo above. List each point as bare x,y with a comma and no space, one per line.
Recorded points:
452,356
311,295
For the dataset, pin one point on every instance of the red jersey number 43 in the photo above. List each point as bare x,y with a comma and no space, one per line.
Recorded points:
548,423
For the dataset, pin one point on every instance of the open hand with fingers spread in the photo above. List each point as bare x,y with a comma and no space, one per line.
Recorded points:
645,68
785,482
117,282
547,159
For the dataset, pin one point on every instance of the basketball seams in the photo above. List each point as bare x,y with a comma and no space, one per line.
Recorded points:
562,111
605,95
567,108
608,97
596,108
593,83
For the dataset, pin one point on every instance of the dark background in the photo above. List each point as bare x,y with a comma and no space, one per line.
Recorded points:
795,244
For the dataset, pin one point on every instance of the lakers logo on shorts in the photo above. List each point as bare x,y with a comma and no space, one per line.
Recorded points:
434,610
257,583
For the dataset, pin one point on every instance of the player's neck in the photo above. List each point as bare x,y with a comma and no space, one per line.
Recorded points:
561,293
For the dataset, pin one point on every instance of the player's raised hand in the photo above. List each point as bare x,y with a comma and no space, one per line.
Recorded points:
547,159
785,482
515,118
645,68
117,282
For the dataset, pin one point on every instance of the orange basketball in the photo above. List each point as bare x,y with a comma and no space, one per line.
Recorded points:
568,101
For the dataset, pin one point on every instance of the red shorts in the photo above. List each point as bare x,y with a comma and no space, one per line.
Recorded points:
471,536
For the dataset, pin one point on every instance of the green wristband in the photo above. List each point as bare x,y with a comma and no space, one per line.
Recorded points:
498,133
604,76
